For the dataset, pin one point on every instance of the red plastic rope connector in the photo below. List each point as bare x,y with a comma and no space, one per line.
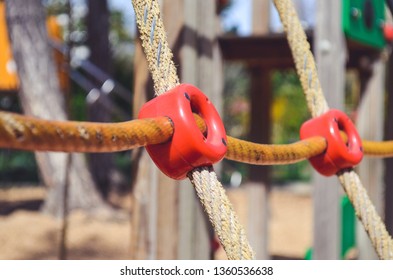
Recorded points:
338,154
188,148
388,32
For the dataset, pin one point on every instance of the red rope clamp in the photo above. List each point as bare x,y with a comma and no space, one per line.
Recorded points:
339,154
188,148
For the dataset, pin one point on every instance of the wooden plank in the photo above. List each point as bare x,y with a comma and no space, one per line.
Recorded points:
191,27
155,224
143,229
389,136
258,215
209,80
200,65
370,126
167,211
260,117
329,46
187,203
260,17
260,130
272,50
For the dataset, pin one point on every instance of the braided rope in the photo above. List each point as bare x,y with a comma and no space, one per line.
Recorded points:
34,134
367,213
159,58
303,57
305,66
155,45
221,215
378,148
29,133
264,154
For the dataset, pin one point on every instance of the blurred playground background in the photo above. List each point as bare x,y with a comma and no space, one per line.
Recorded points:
97,55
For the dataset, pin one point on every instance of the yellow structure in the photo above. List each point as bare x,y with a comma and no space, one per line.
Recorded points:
8,75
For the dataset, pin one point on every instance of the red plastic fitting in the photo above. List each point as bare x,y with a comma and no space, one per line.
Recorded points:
188,148
338,154
388,32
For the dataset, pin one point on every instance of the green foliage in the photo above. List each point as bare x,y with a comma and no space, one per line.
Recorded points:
300,171
77,103
17,166
55,7
288,113
236,102
123,163
290,106
119,34
236,113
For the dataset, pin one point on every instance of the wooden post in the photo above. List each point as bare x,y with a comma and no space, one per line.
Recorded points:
260,96
258,188
329,47
169,221
154,220
389,161
143,245
260,117
200,64
370,127
260,17
258,216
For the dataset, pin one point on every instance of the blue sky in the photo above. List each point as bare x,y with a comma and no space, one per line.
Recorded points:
126,7
239,14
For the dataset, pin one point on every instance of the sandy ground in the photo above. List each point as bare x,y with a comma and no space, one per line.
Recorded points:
290,225
26,234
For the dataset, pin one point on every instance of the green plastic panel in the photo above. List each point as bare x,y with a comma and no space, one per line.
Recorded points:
348,226
363,21
348,229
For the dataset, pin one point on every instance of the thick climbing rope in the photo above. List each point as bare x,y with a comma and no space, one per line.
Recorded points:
29,133
212,195
159,57
374,226
303,57
33,134
155,45
378,149
306,69
263,154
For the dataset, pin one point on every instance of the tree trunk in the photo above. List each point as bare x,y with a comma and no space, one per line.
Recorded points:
40,96
98,42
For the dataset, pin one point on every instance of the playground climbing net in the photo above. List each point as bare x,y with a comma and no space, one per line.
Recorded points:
29,133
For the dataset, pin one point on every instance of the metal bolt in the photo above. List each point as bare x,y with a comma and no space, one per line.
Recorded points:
325,46
355,13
